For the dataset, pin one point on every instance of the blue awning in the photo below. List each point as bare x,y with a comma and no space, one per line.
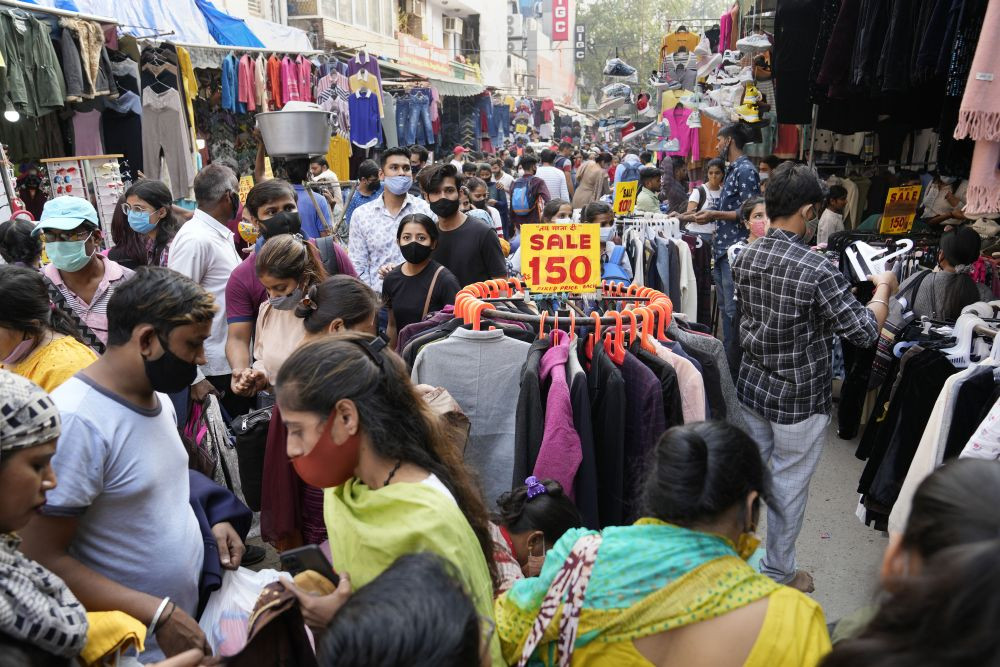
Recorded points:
226,29
195,22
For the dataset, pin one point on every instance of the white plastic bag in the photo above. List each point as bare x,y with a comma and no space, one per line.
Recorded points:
226,617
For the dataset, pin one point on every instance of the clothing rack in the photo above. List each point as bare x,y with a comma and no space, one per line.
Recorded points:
472,304
31,7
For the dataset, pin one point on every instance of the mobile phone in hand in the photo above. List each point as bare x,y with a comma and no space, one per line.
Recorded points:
309,557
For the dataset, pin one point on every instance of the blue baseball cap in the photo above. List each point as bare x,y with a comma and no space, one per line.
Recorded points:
65,213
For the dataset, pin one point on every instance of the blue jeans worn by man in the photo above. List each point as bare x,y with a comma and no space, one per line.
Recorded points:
722,276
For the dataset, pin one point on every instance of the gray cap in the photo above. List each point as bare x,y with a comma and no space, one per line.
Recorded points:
28,416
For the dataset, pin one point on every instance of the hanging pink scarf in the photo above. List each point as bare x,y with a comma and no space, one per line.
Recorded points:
979,116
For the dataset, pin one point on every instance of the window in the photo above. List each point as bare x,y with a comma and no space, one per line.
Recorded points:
361,13
346,13
374,15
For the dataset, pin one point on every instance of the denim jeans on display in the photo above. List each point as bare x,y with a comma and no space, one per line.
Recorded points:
484,105
499,124
402,120
419,129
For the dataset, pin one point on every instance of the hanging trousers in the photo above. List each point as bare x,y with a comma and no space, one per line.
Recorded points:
792,452
164,128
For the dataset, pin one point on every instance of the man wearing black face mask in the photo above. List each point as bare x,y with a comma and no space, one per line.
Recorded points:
469,248
203,250
120,529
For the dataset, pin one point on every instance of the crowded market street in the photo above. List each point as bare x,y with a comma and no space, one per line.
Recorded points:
366,333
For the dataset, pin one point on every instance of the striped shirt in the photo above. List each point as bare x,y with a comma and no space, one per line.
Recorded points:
94,314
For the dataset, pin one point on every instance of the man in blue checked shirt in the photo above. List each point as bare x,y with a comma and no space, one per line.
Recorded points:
792,303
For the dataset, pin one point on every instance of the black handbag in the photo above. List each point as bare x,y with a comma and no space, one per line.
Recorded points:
250,431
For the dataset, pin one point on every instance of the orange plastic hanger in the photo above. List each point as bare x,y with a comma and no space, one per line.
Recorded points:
614,341
634,324
477,313
594,337
541,326
572,324
645,340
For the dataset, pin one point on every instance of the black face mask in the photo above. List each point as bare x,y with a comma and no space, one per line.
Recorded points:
285,222
169,374
481,204
444,207
234,201
415,253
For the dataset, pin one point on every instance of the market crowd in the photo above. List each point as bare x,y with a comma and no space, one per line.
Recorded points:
284,309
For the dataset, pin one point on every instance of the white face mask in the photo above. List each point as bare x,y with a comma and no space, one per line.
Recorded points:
520,173
606,233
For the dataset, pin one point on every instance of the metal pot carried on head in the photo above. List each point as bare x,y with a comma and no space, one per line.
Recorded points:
300,128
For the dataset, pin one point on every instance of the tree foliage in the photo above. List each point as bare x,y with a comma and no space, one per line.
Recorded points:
633,29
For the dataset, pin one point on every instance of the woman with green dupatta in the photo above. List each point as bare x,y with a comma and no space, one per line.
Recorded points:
673,589
393,482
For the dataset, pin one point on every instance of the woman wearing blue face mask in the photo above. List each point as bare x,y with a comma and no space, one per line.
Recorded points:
148,207
288,265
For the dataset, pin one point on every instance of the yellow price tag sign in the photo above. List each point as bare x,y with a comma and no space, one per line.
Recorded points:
561,258
900,210
625,195
246,184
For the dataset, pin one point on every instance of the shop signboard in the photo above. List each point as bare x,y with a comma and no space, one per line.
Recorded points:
426,56
580,42
560,20
561,258
246,184
900,210
625,194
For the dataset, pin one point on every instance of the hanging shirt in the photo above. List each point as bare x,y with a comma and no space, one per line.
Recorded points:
247,95
229,83
289,81
304,68
368,64
274,81
260,83
366,128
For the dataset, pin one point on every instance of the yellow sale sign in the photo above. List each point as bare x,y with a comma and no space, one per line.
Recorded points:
900,210
625,194
246,184
561,258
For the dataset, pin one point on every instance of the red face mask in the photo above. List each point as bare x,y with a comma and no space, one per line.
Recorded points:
329,464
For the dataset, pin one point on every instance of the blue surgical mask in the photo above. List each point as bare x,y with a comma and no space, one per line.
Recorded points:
399,185
139,221
68,256
287,302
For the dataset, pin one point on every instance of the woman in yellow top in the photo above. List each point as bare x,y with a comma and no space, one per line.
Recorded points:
394,482
37,340
674,589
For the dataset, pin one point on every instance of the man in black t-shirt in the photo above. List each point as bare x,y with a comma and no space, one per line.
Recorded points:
469,248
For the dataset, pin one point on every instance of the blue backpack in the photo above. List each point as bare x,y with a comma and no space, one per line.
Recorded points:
612,270
520,198
630,172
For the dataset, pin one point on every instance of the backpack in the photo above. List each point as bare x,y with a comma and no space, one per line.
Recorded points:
331,262
630,173
521,201
612,270
703,191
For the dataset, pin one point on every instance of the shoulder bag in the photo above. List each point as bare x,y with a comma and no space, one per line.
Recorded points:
430,291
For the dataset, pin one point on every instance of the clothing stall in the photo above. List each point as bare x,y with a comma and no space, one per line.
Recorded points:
598,378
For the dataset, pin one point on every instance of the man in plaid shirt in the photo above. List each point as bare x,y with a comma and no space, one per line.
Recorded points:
792,302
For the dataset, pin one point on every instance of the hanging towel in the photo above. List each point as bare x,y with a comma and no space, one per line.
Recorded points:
979,115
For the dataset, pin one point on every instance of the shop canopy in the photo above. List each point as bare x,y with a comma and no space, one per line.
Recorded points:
446,85
189,22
